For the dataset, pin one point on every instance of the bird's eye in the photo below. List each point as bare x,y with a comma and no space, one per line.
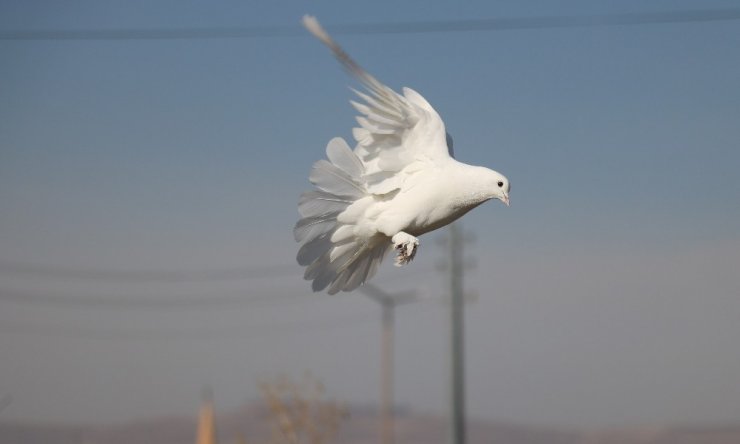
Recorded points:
500,184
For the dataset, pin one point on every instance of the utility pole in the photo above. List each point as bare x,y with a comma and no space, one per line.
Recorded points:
5,401
388,303
457,355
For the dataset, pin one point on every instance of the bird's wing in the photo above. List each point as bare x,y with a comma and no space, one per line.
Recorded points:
398,134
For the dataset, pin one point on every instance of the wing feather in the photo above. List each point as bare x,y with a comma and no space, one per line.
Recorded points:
341,156
395,130
327,177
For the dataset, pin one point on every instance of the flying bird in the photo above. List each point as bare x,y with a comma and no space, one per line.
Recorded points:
399,182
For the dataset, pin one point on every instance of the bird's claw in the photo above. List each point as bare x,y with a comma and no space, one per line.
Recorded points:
406,245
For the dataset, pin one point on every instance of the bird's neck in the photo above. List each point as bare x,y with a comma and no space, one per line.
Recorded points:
472,187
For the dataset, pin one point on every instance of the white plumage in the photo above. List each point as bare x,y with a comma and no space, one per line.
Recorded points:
399,182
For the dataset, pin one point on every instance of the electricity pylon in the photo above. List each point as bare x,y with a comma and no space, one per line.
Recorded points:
388,302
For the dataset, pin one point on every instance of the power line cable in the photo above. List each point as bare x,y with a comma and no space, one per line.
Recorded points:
416,27
206,299
173,302
169,276
156,276
189,334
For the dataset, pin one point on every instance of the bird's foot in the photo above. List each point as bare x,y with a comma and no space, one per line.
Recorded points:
406,245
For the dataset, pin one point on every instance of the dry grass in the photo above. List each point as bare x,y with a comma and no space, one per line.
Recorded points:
299,414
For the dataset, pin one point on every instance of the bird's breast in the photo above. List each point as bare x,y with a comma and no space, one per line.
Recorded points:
427,206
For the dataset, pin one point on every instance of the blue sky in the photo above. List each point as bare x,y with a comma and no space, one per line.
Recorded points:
610,279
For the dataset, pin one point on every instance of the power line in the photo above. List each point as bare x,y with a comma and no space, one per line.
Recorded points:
155,276
188,334
205,301
542,22
416,27
169,276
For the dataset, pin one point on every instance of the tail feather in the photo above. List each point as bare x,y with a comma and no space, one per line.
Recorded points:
328,177
350,269
312,250
309,228
365,268
334,272
315,202
360,268
334,257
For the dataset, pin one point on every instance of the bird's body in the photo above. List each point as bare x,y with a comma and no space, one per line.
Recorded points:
399,182
426,203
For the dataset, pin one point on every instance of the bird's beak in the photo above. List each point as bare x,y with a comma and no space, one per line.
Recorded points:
505,199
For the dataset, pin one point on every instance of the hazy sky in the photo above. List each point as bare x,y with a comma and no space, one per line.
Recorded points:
608,293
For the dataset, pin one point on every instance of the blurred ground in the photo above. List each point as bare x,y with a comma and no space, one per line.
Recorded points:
250,423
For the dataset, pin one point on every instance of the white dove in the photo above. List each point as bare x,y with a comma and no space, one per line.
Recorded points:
399,182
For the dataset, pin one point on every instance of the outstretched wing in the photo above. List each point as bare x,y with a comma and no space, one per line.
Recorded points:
398,134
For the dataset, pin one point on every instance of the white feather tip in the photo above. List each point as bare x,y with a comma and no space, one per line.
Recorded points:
314,27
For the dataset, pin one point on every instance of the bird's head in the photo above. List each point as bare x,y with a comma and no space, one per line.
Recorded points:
504,187
488,184
498,186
